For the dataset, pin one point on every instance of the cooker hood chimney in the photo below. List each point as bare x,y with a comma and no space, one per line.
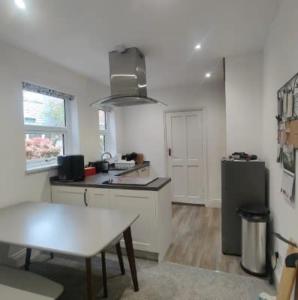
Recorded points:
127,78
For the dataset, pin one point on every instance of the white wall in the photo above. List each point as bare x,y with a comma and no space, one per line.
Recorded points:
17,66
244,85
251,86
280,64
143,127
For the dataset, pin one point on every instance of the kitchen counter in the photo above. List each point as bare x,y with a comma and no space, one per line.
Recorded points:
97,181
152,232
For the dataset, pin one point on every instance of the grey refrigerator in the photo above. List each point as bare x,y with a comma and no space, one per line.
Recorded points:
243,182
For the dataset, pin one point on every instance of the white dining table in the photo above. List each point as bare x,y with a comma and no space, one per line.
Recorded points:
67,229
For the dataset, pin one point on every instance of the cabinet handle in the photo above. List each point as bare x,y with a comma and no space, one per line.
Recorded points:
170,152
85,197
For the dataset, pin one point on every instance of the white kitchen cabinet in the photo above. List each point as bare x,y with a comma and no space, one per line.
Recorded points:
69,195
144,204
96,197
99,198
152,232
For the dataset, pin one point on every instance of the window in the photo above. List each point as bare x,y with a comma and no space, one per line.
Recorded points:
46,125
103,125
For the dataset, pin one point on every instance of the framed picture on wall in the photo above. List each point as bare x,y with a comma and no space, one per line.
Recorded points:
288,186
288,158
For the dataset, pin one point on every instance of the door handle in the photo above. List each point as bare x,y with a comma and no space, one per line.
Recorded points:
85,197
170,152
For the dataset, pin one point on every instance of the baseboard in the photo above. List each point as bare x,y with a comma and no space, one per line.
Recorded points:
138,253
214,203
19,257
189,204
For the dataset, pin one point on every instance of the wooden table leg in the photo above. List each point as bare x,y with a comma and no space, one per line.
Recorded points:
28,257
104,274
131,257
89,279
120,258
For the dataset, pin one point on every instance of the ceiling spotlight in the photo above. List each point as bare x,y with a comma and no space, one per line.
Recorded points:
208,75
198,46
20,4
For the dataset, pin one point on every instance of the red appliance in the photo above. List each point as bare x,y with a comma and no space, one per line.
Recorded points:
90,171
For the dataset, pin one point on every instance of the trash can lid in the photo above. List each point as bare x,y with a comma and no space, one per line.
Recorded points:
254,212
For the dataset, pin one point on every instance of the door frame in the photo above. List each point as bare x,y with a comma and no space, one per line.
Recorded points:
203,110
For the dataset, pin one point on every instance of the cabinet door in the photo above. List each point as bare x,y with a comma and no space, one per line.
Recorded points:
99,198
142,203
69,195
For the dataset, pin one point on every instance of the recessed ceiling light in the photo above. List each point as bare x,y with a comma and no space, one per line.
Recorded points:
198,46
208,75
20,4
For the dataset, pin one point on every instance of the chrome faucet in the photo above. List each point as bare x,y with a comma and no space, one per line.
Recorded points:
105,154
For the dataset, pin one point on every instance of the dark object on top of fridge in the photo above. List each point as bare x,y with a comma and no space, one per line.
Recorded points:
243,156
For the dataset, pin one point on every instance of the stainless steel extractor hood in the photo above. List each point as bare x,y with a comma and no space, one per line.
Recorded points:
128,80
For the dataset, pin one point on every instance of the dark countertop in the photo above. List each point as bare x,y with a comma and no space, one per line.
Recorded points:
97,180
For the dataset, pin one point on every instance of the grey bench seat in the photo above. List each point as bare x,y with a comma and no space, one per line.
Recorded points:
29,282
9,293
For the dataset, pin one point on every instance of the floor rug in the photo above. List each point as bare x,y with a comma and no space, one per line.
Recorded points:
166,281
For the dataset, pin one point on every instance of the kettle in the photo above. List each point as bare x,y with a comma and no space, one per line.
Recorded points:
100,166
104,161
104,166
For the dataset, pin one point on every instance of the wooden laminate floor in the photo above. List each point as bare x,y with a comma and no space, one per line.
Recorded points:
197,239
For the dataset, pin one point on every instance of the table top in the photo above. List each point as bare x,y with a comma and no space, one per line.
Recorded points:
9,293
60,228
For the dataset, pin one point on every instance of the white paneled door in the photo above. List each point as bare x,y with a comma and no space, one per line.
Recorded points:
184,133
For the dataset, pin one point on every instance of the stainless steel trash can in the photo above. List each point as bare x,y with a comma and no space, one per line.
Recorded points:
253,239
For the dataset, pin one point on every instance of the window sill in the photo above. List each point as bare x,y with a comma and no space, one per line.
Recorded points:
41,169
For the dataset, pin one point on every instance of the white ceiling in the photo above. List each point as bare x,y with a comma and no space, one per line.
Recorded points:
79,33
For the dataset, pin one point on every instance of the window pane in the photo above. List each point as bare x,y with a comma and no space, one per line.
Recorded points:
102,143
44,146
102,120
43,110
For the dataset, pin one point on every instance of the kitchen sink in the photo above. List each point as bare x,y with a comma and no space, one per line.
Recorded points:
129,180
